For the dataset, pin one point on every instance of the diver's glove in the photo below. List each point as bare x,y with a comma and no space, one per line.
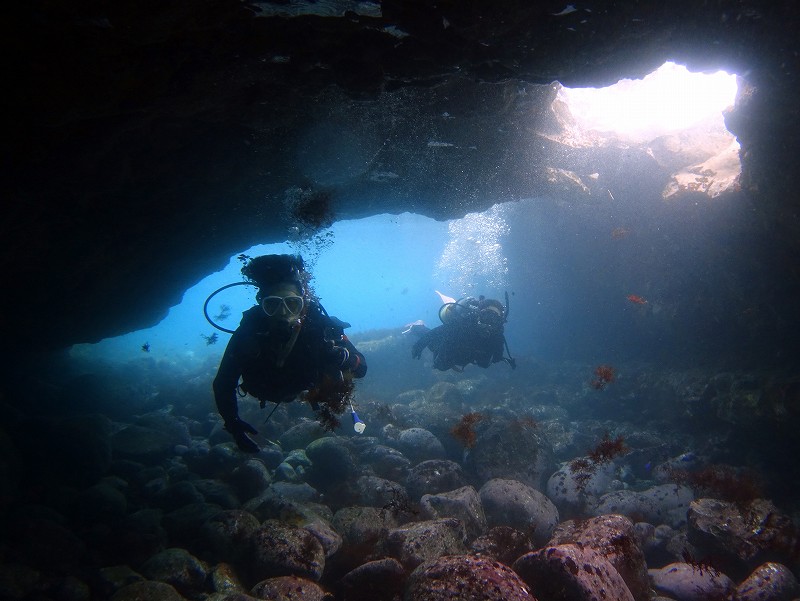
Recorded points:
336,356
416,350
240,430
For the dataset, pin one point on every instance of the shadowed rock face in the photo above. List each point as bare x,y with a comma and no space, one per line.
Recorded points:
147,142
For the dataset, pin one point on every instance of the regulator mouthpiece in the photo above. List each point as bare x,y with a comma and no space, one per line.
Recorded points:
358,425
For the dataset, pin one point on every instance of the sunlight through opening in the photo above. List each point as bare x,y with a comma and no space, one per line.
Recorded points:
668,100
676,117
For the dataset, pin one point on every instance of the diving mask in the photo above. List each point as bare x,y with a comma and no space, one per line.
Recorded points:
286,305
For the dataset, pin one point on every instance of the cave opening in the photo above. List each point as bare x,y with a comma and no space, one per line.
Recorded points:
381,272
676,116
668,100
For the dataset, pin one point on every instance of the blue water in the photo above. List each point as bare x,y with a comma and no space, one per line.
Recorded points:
566,268
375,273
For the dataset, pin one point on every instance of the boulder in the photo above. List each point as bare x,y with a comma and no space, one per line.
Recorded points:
496,453
614,538
332,462
330,540
279,549
386,462
379,580
289,588
101,503
571,573
227,533
140,443
466,578
769,582
177,495
178,568
515,504
434,476
361,529
224,579
302,434
419,444
379,492
18,581
185,524
147,590
661,504
217,492
503,544
690,582
417,542
573,487
112,578
250,479
744,537
463,504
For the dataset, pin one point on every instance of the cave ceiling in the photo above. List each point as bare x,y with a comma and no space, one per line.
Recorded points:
146,142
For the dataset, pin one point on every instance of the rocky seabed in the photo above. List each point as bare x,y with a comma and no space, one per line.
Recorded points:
168,513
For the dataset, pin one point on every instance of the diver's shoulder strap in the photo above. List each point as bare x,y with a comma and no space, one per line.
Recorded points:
510,360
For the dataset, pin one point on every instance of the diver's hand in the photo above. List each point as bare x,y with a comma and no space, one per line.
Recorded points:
336,356
240,430
416,350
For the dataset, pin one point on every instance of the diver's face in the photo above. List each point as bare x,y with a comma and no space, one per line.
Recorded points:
283,302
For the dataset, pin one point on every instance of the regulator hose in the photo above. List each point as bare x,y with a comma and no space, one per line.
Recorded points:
212,295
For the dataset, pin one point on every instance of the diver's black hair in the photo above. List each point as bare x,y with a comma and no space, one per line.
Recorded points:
267,270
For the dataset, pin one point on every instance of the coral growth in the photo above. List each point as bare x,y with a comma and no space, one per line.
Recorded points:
604,374
464,430
582,470
526,422
701,565
739,486
607,449
330,399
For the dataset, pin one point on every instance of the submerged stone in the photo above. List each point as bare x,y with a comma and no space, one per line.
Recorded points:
467,578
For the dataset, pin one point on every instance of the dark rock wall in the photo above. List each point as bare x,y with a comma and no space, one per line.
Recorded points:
146,142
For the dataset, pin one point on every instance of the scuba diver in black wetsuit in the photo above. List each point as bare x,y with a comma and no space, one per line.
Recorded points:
286,345
471,332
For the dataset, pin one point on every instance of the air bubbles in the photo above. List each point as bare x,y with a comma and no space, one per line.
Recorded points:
472,261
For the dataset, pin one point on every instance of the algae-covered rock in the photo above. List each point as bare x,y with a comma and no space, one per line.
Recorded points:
515,504
283,550
466,578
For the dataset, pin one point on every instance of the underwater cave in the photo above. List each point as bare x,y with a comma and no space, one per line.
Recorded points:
617,178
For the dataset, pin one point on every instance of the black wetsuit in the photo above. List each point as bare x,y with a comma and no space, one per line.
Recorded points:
461,343
253,353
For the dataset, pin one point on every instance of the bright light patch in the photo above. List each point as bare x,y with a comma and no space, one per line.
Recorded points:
668,100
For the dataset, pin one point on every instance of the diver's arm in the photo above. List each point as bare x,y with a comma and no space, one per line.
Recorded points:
356,363
431,339
225,385
226,382
421,343
498,346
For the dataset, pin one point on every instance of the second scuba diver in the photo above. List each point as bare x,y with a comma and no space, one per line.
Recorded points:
472,331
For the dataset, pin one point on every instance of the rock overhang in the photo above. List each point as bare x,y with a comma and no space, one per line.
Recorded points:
151,144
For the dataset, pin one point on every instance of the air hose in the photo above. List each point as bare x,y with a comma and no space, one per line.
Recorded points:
212,295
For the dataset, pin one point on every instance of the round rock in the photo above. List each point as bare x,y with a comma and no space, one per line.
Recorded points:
571,573
687,582
614,537
466,578
283,550
515,504
769,582
289,588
